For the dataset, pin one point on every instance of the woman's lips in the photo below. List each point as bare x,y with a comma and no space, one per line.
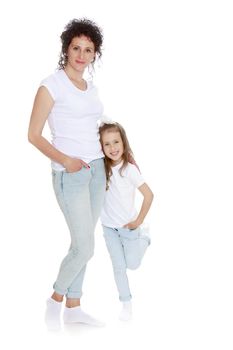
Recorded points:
80,62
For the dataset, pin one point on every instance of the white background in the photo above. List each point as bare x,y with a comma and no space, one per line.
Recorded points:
166,75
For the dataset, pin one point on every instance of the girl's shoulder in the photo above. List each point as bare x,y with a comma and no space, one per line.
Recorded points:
132,173
132,169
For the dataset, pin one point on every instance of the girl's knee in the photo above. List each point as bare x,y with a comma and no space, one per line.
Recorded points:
133,264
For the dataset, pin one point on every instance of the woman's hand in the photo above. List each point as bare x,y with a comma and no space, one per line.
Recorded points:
132,225
73,164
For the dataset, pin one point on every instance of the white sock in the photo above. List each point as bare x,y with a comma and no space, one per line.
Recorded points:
52,314
77,315
126,311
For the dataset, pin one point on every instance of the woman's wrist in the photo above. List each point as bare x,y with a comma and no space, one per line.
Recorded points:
65,161
139,221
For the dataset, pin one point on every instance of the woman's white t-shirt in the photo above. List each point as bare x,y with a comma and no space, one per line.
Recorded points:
119,205
73,118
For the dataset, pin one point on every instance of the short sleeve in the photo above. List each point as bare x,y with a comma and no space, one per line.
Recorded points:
135,176
51,84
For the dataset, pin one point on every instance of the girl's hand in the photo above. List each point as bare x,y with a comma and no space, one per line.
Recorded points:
132,225
73,164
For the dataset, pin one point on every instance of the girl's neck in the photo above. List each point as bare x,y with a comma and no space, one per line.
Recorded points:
117,162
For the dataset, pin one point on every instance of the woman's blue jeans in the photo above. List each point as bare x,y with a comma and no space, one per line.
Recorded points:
80,196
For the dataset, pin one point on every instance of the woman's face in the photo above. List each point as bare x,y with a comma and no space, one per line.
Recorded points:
81,53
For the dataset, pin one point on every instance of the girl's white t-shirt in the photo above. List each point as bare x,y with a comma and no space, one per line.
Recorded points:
73,118
119,204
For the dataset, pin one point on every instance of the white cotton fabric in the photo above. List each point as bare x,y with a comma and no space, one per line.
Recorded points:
119,207
73,118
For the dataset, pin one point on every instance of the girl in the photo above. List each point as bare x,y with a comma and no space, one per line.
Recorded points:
123,234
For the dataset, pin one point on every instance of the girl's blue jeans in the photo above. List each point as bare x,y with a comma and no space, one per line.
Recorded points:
126,249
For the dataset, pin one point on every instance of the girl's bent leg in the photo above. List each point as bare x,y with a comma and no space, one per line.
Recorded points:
135,247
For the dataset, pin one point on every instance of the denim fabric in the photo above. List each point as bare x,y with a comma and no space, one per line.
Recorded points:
80,196
126,249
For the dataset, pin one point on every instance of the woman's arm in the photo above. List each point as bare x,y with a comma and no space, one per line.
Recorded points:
42,106
147,200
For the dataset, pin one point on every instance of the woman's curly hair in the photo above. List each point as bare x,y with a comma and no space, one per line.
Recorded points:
79,27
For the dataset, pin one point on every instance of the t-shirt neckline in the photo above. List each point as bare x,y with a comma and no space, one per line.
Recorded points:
69,82
116,167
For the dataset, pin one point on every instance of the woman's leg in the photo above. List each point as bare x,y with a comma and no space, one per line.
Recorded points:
72,192
116,252
97,187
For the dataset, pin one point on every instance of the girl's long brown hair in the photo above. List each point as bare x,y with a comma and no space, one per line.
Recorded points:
127,152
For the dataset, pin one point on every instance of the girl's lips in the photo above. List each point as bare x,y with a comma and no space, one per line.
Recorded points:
114,154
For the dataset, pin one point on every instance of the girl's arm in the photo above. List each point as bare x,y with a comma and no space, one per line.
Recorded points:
148,198
42,106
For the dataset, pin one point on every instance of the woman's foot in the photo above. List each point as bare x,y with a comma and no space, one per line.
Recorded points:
77,315
53,315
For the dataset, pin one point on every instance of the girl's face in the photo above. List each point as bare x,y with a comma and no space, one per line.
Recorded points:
81,53
113,146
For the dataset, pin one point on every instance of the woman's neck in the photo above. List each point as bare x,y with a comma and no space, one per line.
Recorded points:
73,74
76,78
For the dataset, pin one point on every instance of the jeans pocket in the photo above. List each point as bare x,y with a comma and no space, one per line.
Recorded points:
130,234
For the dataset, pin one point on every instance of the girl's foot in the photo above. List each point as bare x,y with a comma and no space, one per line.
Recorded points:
126,312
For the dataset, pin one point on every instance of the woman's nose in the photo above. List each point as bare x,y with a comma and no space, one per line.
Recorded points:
81,54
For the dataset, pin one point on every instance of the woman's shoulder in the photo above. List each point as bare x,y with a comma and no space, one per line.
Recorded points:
55,76
53,83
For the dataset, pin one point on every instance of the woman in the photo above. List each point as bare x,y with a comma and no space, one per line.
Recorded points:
72,108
